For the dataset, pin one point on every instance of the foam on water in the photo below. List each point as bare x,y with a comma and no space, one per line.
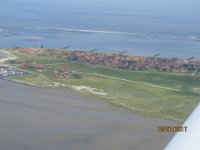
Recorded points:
141,35
3,30
170,28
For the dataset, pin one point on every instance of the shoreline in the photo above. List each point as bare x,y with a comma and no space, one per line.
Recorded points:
61,116
90,93
47,73
118,53
86,95
112,52
100,52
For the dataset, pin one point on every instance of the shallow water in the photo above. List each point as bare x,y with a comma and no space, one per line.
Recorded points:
62,119
142,27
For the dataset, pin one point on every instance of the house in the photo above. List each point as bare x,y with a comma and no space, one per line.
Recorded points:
63,70
40,67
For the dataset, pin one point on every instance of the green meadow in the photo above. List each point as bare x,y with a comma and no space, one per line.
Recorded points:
152,93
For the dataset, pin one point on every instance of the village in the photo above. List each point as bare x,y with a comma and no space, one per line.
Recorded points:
121,79
128,62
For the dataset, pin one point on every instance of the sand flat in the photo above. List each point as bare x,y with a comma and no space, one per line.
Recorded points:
61,119
6,55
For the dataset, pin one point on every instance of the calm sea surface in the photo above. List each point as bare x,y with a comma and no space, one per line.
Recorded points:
41,119
142,27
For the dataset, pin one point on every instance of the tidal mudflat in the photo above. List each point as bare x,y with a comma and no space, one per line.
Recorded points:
61,119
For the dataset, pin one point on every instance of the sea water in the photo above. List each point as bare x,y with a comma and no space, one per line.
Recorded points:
141,27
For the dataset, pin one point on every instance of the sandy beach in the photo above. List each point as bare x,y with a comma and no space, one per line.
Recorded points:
5,55
61,119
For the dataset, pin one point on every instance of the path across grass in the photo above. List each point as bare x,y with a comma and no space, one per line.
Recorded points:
131,81
152,93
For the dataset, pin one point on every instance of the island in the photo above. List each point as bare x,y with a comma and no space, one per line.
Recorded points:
166,88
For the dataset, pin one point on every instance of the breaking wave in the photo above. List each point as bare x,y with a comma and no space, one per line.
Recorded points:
3,30
131,34
92,31
136,35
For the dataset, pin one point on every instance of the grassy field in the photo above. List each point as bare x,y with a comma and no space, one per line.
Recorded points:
21,57
152,93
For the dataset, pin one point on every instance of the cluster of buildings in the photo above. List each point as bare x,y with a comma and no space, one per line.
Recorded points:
61,73
133,62
34,67
128,62
34,51
67,75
